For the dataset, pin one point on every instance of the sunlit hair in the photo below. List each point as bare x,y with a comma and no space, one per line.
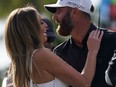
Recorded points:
22,36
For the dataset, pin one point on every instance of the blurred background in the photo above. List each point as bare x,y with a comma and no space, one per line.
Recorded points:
105,9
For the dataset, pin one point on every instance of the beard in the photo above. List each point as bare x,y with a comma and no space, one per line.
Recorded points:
66,26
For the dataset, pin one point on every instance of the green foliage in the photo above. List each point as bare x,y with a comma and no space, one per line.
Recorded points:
113,2
6,6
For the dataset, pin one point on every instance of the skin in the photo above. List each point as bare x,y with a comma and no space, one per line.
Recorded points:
79,22
43,65
43,26
65,25
46,61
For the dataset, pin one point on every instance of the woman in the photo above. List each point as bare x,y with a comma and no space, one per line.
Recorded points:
7,81
33,64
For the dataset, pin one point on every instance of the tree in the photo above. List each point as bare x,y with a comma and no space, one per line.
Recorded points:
6,6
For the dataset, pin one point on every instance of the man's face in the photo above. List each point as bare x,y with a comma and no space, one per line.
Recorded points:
62,17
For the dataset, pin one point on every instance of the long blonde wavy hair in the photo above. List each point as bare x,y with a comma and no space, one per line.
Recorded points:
22,36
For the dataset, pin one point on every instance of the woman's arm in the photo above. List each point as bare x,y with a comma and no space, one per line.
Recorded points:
60,69
93,44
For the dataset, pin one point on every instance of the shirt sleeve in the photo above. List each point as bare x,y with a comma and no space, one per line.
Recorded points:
110,74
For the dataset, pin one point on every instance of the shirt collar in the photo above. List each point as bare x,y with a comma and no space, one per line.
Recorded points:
92,27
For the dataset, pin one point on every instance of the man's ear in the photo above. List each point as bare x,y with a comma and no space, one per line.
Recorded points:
74,12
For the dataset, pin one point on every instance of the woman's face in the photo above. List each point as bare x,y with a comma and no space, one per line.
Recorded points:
43,26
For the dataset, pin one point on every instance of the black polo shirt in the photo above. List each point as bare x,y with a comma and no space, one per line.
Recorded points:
76,55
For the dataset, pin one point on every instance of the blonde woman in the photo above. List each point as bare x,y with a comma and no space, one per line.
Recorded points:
33,64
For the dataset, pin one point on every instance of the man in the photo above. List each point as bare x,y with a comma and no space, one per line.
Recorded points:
74,18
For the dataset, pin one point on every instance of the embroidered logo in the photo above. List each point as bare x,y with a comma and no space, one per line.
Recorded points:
75,5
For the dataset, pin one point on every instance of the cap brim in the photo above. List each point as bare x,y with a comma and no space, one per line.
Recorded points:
52,7
51,34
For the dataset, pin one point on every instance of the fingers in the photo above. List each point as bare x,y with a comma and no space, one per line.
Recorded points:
94,40
101,35
96,34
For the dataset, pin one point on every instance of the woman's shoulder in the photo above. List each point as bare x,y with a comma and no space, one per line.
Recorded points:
41,53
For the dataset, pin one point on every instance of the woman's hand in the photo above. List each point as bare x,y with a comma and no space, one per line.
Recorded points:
94,41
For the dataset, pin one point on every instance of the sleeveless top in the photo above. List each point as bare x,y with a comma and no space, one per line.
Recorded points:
54,83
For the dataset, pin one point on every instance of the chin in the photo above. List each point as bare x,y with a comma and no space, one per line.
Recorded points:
45,39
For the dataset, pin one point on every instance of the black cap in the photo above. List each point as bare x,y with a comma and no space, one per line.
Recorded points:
50,32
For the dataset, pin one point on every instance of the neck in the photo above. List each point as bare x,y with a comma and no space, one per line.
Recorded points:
79,32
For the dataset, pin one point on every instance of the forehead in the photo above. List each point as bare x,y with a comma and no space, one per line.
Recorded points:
39,16
62,8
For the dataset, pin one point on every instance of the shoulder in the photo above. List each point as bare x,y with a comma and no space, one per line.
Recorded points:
41,52
44,55
109,35
108,32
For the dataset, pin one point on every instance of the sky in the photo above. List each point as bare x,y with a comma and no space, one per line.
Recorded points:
96,2
4,60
